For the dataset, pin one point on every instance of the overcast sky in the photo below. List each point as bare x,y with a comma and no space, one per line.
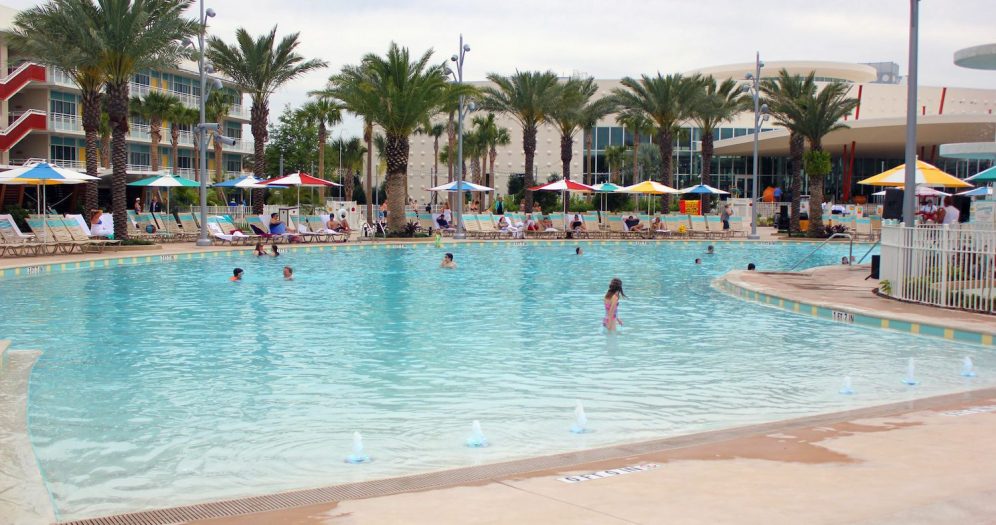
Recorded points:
612,39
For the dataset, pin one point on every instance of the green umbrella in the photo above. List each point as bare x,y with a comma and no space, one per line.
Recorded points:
988,175
166,181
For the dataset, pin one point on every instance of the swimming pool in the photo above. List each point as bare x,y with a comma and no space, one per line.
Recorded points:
165,384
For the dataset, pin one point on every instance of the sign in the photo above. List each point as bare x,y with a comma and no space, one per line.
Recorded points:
601,474
167,257
691,207
842,317
33,270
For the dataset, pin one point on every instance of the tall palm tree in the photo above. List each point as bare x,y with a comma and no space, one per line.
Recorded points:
410,90
716,104
182,116
784,96
128,36
155,107
666,100
48,34
615,155
105,137
573,109
435,131
324,112
492,135
528,97
349,154
259,66
823,113
216,108
638,124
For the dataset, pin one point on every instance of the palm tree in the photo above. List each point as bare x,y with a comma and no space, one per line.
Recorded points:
615,155
410,90
349,154
492,136
666,100
435,131
184,116
49,35
638,124
784,95
128,36
216,108
528,97
823,113
260,66
154,107
105,137
323,112
573,109
716,104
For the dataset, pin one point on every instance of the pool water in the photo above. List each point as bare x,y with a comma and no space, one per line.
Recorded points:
166,384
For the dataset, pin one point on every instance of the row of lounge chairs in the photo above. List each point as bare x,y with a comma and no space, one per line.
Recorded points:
596,226
869,227
49,235
309,228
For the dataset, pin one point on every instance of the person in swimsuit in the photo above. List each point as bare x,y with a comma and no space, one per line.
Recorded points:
612,305
258,251
275,252
577,224
236,275
288,273
448,262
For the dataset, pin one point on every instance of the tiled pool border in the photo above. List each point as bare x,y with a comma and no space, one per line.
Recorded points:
852,316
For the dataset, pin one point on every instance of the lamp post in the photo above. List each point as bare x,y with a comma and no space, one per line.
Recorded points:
458,58
760,115
909,196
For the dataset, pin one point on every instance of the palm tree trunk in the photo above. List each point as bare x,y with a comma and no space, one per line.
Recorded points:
368,138
585,154
118,111
322,136
174,143
219,156
259,115
396,151
529,149
797,145
707,145
451,157
816,198
665,143
155,137
492,156
636,161
91,128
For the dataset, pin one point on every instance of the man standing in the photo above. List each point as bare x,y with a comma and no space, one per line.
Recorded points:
949,214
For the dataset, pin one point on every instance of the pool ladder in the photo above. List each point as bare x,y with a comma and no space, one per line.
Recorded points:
850,254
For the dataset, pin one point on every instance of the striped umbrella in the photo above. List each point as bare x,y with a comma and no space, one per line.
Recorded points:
166,181
43,174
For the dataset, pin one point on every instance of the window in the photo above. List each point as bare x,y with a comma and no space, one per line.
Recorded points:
185,159
233,163
64,149
725,133
62,103
233,130
143,78
138,155
616,136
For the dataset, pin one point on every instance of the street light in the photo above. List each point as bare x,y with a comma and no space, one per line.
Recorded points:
462,112
760,115
203,126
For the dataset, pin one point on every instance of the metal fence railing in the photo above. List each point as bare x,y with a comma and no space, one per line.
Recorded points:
946,266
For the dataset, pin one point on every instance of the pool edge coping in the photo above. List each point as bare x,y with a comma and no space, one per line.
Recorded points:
730,284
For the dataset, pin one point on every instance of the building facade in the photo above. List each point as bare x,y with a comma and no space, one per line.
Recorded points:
40,107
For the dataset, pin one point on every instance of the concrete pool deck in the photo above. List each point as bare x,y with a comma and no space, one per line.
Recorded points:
880,469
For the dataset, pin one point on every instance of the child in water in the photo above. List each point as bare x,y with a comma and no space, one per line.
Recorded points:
448,261
236,275
612,305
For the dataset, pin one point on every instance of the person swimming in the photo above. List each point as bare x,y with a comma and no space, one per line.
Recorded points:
448,261
698,261
578,251
258,251
751,267
236,275
275,252
612,305
710,250
288,273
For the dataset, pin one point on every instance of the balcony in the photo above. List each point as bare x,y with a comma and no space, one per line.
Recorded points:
22,124
19,77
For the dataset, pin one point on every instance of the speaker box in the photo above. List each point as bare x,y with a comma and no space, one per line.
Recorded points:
876,265
964,205
893,208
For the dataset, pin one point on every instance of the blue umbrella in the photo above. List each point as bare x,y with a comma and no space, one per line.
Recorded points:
464,186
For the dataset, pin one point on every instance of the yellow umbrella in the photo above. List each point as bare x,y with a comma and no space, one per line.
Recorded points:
649,187
925,174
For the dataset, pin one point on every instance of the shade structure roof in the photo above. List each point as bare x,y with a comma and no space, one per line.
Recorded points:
299,179
43,174
166,181
456,186
921,191
988,175
649,187
925,174
564,185
704,189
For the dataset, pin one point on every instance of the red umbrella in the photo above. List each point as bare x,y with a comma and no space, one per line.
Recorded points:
299,179
564,186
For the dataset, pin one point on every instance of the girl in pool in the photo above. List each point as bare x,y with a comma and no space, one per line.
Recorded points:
259,251
612,305
276,252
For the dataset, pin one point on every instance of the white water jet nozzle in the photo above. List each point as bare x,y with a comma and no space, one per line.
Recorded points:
580,419
967,367
910,373
357,456
846,387
476,439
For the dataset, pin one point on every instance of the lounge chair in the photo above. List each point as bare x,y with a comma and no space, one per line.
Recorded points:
261,228
76,232
699,226
738,226
217,231
675,223
618,229
716,230
18,243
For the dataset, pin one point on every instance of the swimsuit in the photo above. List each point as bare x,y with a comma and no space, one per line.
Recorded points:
608,317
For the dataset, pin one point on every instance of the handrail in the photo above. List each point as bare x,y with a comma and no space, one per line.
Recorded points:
21,118
17,71
822,244
878,242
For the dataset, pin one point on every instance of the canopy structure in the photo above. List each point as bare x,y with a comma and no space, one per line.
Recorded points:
649,187
925,174
704,189
455,186
564,186
921,191
43,174
988,175
299,179
166,181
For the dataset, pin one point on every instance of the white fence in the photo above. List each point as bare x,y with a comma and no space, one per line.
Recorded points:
947,266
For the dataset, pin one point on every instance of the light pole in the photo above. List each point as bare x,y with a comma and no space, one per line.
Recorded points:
461,112
203,126
909,196
760,115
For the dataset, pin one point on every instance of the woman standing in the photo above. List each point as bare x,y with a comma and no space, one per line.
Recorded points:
612,305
